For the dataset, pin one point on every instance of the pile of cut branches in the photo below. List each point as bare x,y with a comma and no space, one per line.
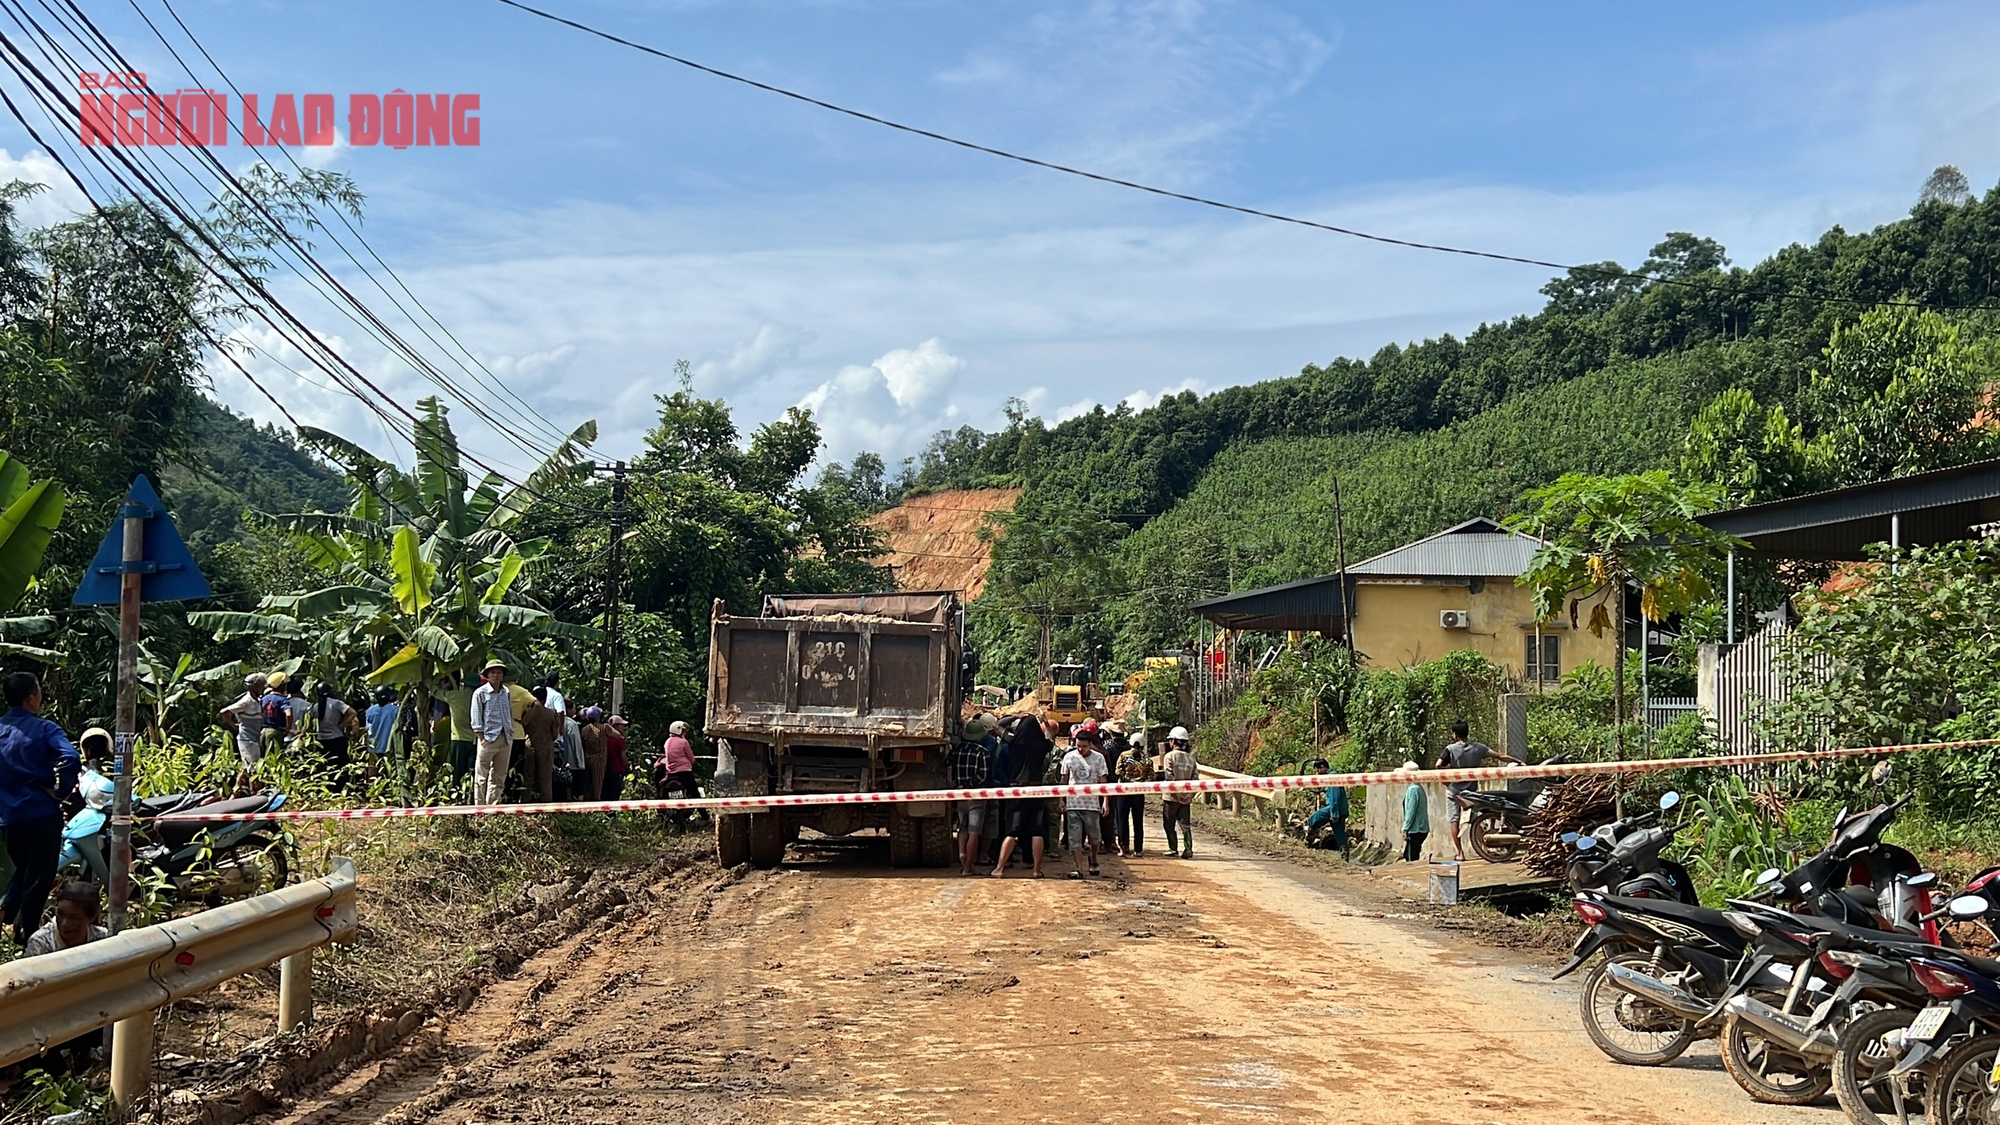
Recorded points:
1577,804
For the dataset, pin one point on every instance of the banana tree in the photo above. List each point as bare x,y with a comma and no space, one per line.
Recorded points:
29,513
164,687
426,578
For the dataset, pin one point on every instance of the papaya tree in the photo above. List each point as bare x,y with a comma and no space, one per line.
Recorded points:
1601,535
424,578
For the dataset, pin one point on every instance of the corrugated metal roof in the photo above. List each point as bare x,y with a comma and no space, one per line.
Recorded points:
1310,604
1476,548
1933,507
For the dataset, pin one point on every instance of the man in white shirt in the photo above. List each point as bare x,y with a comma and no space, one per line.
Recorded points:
493,728
1084,765
247,715
556,701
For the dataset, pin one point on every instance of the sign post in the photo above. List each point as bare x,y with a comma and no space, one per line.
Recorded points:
141,560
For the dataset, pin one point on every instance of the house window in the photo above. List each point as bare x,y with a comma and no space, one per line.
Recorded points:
1544,662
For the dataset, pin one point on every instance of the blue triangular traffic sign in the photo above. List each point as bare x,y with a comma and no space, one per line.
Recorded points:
168,573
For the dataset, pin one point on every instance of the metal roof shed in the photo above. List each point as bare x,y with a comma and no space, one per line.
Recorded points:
1465,554
1308,605
1836,526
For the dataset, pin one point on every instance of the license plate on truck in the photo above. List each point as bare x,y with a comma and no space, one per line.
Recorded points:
1926,1024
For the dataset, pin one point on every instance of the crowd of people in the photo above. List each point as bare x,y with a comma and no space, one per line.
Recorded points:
1029,750
509,740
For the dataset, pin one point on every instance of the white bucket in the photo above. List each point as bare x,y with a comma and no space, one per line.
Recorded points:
1444,883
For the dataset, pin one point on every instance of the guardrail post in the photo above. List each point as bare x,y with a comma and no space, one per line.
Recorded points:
295,991
132,1061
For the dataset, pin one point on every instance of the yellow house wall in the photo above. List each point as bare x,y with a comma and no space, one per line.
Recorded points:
1396,626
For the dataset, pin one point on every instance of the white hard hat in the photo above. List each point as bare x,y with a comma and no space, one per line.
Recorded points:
1178,734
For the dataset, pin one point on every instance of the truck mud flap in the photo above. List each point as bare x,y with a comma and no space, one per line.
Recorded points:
924,809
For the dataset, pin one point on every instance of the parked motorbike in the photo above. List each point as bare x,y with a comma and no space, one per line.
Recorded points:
1497,819
1780,1044
192,858
1624,858
1666,965
1846,879
87,836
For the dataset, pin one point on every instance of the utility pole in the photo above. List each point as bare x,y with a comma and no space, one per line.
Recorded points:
1340,545
613,586
132,517
150,564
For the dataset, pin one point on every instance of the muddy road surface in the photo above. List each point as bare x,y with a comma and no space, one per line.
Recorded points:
1227,988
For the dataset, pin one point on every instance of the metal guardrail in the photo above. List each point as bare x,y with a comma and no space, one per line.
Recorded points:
58,996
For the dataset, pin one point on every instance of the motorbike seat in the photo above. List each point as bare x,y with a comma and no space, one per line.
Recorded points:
155,806
1858,933
257,803
1697,915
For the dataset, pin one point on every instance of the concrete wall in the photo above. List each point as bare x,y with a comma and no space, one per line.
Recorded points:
1385,819
1396,625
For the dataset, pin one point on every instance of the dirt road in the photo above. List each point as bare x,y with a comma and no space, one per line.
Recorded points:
1227,988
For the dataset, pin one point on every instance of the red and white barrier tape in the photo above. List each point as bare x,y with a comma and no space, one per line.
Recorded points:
1121,788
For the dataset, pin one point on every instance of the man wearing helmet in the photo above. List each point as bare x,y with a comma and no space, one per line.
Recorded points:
1178,765
673,774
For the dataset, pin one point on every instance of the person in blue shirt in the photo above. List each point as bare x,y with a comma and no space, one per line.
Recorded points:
38,768
382,721
1333,812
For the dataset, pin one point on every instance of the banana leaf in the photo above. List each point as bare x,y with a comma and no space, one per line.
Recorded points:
26,526
414,573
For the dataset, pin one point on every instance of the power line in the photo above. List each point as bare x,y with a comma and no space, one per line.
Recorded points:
311,271
525,412
49,97
1204,201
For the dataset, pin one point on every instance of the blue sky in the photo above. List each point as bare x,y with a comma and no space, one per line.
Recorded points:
621,212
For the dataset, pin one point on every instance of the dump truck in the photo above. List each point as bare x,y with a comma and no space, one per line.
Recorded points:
849,693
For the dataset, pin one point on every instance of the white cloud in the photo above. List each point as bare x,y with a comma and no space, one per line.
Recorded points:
1143,399
1066,295
61,201
891,406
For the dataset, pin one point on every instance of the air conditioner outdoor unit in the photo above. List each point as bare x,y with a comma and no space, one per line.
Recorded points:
1454,619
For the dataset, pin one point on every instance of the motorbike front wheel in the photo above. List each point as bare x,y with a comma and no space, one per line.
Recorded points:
1963,1092
1865,1050
1624,1027
1766,1071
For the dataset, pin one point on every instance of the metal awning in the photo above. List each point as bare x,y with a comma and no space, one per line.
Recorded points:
1308,605
1935,507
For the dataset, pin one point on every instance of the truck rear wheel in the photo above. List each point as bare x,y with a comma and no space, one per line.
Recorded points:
766,838
940,849
732,839
906,841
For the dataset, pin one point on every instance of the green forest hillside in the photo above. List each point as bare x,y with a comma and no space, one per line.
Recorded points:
1129,516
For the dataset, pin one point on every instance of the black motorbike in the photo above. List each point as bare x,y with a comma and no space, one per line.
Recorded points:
1846,880
1669,965
1666,965
1497,819
1624,858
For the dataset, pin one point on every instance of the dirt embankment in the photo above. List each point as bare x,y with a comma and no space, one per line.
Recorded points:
934,541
